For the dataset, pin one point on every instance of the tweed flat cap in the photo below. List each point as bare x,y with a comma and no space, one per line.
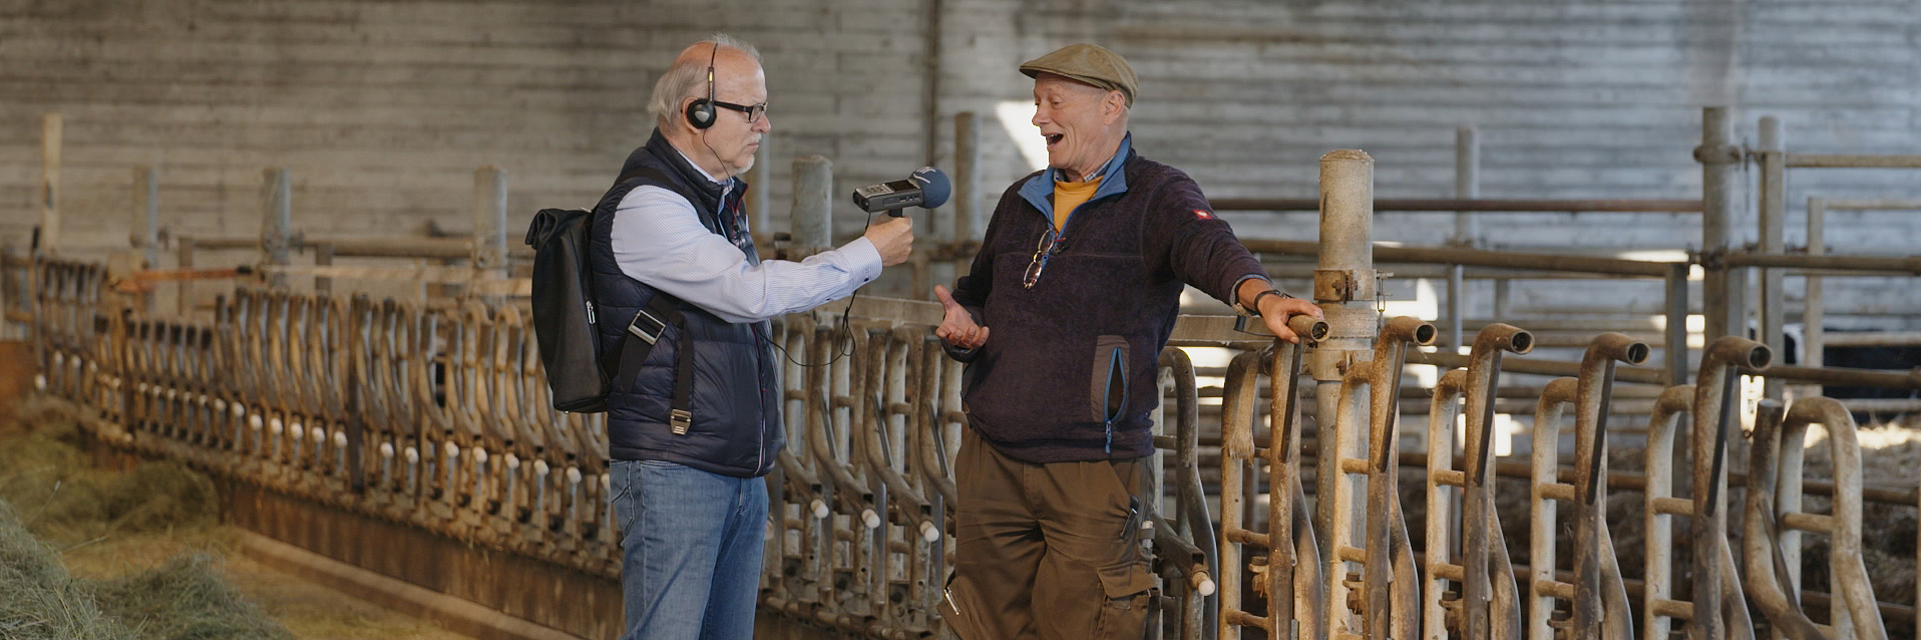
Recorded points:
1090,64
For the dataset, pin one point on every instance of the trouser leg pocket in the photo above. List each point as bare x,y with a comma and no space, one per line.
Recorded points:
961,609
1128,590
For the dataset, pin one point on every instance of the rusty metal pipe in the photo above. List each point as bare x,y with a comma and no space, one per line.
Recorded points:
1766,578
1597,604
1483,377
1827,262
1848,377
1479,205
1191,497
1649,375
1849,572
1237,453
940,372
1713,409
913,507
1442,411
1341,501
1480,258
1543,465
1290,529
1386,530
853,494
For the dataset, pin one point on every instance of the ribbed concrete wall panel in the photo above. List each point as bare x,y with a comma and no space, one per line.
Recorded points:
382,110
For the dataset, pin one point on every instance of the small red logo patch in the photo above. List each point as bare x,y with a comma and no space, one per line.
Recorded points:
1203,214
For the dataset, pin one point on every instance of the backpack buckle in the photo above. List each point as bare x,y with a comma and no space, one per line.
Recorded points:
647,326
680,419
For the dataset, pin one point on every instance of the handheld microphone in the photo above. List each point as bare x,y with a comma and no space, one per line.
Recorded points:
927,187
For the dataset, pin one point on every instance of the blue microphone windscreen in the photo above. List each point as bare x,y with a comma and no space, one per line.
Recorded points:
934,186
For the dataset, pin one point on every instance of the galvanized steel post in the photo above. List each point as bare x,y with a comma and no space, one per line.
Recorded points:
1467,185
276,224
146,215
1344,288
1675,346
489,251
50,134
969,220
813,204
1721,300
1814,301
1773,200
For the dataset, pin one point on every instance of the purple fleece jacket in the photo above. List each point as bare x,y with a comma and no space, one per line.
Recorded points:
1068,372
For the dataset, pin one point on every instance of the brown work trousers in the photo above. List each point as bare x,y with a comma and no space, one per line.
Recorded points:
1046,551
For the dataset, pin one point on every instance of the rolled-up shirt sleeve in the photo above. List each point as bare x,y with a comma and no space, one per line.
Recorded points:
658,239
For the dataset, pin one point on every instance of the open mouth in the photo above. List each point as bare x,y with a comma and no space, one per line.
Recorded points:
1052,138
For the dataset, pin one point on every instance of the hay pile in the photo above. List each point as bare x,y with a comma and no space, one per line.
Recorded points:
46,476
50,497
42,601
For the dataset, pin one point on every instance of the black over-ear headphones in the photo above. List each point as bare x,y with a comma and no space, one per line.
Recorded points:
700,113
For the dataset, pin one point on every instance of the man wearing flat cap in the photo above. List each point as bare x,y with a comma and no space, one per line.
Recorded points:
1061,321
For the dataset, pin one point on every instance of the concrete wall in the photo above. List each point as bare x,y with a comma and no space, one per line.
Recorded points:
382,110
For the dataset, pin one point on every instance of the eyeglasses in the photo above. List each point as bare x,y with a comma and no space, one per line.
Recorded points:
1050,244
753,111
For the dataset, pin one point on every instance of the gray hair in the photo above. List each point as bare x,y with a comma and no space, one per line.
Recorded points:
689,79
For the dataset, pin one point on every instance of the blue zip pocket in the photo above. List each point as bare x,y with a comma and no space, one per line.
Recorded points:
1109,391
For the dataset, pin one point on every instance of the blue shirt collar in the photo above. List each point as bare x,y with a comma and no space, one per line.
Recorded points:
1039,190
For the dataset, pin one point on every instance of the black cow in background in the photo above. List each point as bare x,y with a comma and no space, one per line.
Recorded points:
1895,359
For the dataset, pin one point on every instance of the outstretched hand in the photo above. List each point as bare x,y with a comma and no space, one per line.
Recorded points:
958,327
1275,312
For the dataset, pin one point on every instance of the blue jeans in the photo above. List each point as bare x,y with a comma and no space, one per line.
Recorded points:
691,544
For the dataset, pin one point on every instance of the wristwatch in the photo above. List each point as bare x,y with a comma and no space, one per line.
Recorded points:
1255,309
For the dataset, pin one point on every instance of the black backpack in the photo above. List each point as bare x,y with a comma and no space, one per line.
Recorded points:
564,312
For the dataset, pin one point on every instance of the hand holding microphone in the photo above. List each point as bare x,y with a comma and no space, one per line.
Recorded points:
927,188
893,238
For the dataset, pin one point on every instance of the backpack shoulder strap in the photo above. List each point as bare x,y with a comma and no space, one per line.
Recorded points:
643,332
650,324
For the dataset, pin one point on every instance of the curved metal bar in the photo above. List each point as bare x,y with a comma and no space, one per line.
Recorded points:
842,486
1392,605
1238,399
1291,534
1760,548
883,436
935,468
1196,527
1717,613
1443,409
1346,597
1854,613
1600,606
1483,376
1658,608
1544,491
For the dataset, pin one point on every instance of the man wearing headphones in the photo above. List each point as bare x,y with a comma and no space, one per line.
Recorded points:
694,425
1079,277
